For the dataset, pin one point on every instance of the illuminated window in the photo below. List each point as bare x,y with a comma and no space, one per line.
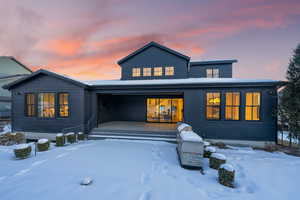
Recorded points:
147,71
212,73
232,109
169,71
30,105
46,105
252,111
157,71
136,72
213,103
63,99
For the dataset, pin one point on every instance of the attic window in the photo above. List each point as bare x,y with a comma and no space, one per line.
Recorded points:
157,71
147,71
212,73
136,72
169,71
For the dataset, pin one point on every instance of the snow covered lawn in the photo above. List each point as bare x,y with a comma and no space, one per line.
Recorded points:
129,170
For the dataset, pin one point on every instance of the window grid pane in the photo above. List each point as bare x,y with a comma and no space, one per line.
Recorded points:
252,111
213,103
136,72
157,71
46,105
63,104
169,71
147,71
30,105
232,108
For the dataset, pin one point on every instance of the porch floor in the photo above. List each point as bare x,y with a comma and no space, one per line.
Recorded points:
134,130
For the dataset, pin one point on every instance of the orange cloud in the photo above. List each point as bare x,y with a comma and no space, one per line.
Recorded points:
64,47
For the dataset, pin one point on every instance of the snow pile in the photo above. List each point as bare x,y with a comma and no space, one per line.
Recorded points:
218,156
21,146
59,135
190,136
80,133
86,181
6,129
227,167
71,133
206,143
182,126
43,141
210,149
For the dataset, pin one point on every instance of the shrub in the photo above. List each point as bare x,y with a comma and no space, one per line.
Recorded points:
80,136
208,151
71,138
216,160
43,144
60,140
12,138
22,151
226,175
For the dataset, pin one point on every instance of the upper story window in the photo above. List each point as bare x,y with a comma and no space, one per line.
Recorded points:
252,111
157,71
46,105
213,105
212,73
169,71
136,72
232,108
146,71
30,105
63,106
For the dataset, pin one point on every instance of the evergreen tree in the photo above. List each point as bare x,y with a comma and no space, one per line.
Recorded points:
290,101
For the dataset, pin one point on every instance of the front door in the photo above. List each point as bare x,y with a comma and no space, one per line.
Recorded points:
164,109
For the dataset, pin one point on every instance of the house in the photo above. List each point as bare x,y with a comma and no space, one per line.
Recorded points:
158,87
10,70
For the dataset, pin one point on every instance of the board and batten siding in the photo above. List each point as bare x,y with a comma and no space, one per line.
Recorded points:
154,57
45,83
263,130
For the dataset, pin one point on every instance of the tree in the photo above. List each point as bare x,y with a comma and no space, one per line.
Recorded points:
290,101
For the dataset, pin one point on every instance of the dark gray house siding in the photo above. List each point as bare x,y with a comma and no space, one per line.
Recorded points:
199,71
154,57
45,83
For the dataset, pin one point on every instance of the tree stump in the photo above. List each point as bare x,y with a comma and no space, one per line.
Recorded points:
22,151
60,140
208,151
71,138
43,145
226,175
216,160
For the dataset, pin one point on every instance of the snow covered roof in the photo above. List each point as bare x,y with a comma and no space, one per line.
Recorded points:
185,81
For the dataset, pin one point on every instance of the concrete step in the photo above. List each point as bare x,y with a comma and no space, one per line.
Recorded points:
95,137
109,131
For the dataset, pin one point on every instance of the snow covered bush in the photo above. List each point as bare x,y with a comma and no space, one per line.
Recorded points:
22,151
43,144
60,140
216,160
206,144
12,138
71,138
80,136
184,127
226,175
208,151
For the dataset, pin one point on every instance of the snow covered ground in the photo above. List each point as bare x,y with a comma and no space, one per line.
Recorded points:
141,170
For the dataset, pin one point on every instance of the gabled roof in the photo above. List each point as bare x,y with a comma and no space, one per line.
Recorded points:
153,44
212,62
15,60
45,72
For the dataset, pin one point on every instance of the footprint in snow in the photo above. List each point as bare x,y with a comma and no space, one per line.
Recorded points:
145,195
38,162
22,172
62,155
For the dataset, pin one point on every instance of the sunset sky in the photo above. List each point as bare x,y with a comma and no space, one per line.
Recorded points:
86,38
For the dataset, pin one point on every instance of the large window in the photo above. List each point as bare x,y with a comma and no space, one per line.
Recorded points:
63,99
212,73
146,71
157,71
30,105
232,109
46,105
213,103
252,111
136,72
169,71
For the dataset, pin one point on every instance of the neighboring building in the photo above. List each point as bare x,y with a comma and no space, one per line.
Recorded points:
10,70
159,85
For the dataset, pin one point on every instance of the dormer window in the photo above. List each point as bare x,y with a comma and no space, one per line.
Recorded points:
157,71
212,73
169,71
136,72
146,71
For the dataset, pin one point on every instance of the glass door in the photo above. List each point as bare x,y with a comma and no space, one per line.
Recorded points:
164,109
